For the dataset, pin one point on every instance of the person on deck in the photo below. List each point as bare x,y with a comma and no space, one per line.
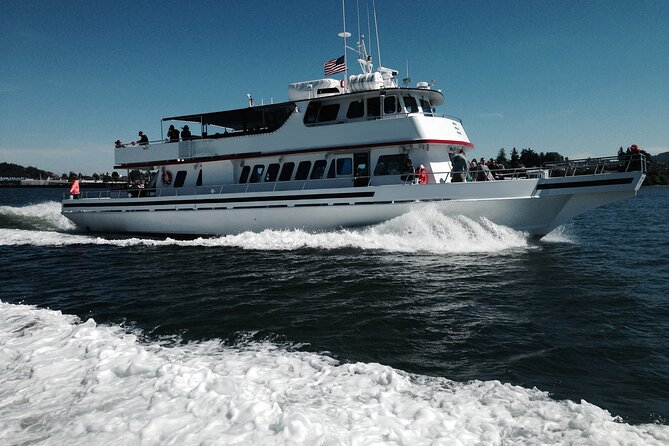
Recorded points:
74,190
459,167
143,139
173,134
407,171
422,175
185,133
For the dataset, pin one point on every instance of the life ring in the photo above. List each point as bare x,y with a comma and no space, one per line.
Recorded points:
166,178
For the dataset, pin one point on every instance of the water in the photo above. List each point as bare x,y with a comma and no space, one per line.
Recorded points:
421,330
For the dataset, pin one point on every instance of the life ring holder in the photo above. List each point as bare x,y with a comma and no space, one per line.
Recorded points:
166,178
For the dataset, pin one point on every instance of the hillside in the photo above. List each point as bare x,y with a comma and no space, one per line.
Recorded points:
9,170
661,157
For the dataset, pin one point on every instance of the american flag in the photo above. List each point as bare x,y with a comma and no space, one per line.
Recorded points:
334,66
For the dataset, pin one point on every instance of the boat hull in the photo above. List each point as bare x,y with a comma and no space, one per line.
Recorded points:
536,206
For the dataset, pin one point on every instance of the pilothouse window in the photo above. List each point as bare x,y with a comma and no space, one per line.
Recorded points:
318,170
410,104
344,166
311,113
427,108
373,107
389,105
244,176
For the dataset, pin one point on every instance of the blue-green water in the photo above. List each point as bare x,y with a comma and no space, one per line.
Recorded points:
581,315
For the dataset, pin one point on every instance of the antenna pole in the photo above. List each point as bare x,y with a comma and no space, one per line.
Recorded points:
376,27
343,13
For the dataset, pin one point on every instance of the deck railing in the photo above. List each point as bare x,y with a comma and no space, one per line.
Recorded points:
590,166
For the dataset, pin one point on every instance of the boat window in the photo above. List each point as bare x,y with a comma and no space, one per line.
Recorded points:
331,170
344,166
286,171
302,170
427,108
244,175
256,176
373,107
272,172
318,170
390,164
331,90
199,179
328,113
311,113
410,104
389,105
356,109
180,178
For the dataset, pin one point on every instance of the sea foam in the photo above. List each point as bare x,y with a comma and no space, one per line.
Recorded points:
65,381
426,231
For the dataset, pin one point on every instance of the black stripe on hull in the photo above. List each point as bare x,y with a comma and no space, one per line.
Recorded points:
111,203
609,182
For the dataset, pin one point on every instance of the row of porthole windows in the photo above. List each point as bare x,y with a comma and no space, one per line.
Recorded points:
284,172
318,112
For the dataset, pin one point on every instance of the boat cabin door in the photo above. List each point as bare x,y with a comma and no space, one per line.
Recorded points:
361,163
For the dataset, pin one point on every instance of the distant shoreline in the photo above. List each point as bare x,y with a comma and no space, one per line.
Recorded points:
62,184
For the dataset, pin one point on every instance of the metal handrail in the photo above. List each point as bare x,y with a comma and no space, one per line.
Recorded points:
596,166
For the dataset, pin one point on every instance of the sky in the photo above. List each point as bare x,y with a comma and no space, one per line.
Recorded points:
581,78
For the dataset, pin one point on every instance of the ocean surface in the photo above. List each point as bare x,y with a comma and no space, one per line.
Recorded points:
423,330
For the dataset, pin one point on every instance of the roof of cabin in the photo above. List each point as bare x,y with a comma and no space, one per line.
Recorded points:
262,116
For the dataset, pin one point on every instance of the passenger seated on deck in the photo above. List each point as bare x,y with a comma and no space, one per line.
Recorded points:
408,170
143,139
185,133
119,144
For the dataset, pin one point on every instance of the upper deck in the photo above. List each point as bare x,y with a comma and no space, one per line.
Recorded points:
371,118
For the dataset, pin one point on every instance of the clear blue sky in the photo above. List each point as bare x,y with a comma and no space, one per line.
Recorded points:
578,77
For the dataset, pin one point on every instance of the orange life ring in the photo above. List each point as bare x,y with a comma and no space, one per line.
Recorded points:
166,178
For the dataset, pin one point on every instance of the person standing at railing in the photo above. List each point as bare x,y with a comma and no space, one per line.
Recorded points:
422,175
143,139
173,134
459,167
635,157
185,133
74,190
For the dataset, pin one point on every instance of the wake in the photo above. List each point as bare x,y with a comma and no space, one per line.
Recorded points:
427,231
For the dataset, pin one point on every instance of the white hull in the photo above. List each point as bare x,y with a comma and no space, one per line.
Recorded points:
536,206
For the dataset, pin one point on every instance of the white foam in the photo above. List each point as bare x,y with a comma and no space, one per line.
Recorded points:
43,215
428,231
66,382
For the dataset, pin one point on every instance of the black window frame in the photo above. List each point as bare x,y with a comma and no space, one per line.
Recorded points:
328,112
257,173
354,113
287,171
376,99
410,104
180,178
318,170
272,172
244,175
398,159
302,172
311,114
386,109
341,163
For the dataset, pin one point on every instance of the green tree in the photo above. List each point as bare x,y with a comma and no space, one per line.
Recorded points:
501,157
515,159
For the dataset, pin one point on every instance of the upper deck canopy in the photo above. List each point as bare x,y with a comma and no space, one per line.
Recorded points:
270,116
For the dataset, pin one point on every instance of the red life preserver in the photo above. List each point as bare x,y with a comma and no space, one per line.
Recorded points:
166,177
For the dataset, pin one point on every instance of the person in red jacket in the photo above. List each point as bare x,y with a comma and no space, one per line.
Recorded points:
422,175
74,190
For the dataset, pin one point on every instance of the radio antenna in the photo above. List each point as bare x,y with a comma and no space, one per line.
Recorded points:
376,27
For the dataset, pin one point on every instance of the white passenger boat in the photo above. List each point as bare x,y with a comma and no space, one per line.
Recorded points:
332,156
